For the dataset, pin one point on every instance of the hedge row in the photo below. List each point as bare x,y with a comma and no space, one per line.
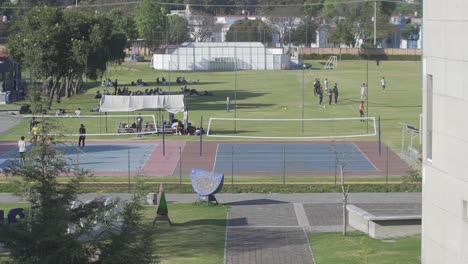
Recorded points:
363,57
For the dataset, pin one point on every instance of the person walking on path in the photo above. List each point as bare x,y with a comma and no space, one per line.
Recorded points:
139,123
22,150
81,139
361,111
363,91
383,83
335,91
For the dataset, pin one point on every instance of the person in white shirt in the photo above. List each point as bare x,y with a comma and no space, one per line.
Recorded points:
78,112
363,91
22,149
325,83
383,83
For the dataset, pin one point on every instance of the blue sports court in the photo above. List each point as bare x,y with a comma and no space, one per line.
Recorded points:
292,157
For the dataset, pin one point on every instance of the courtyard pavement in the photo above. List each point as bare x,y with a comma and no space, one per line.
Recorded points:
274,228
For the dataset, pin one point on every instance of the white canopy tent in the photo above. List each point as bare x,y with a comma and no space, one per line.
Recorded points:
123,103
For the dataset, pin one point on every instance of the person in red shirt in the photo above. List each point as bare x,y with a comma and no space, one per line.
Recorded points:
361,111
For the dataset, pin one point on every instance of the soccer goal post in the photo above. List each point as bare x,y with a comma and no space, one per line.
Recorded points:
96,125
312,128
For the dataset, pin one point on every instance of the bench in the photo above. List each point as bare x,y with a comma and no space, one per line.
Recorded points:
383,226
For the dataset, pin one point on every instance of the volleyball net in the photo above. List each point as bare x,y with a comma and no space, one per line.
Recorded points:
96,125
311,128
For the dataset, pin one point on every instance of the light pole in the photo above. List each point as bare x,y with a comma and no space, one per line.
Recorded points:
375,24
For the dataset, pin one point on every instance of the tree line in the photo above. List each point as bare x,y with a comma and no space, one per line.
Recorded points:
63,41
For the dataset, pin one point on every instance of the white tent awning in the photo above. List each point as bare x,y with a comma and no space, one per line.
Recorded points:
123,103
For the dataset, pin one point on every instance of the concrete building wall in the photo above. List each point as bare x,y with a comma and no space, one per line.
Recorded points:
445,180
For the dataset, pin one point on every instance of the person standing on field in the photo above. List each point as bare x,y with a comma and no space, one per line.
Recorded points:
22,149
363,91
81,139
361,111
335,91
383,83
139,123
325,83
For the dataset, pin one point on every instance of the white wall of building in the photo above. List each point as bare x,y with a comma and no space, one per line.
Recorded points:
211,56
445,176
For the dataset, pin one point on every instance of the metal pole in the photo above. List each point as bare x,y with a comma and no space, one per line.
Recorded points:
386,169
380,139
201,135
302,91
375,24
235,90
105,113
128,162
284,164
180,165
163,137
367,92
232,166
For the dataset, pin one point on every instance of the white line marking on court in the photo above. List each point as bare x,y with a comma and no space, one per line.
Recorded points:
301,215
365,156
216,156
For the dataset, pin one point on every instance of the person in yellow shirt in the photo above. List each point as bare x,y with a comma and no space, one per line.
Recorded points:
35,133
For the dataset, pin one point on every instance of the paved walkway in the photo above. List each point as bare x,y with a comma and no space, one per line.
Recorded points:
272,228
8,121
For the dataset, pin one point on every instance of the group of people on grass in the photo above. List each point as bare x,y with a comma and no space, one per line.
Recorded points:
194,92
320,90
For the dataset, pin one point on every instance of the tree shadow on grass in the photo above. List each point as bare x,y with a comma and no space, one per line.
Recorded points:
218,101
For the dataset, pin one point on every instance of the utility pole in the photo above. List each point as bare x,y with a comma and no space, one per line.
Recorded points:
375,24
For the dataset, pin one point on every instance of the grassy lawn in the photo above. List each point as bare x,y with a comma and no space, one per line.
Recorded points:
196,236
357,248
273,94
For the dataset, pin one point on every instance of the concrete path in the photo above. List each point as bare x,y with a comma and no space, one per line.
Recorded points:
8,121
272,228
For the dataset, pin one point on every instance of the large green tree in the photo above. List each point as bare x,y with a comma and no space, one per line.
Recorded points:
60,46
359,15
57,230
305,33
124,24
150,20
178,29
249,31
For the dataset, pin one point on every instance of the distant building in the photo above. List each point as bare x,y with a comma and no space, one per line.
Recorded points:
221,56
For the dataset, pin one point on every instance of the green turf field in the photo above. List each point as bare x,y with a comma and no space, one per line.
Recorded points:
272,94
330,248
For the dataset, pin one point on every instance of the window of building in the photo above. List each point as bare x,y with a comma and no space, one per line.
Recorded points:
429,105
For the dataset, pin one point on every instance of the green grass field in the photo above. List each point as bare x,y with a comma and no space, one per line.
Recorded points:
272,95
180,243
357,248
